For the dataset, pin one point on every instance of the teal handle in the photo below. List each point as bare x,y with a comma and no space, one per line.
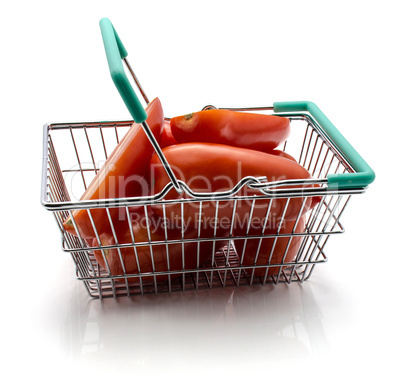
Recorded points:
364,174
115,52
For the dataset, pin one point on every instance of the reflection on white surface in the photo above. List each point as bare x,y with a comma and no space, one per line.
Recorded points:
204,328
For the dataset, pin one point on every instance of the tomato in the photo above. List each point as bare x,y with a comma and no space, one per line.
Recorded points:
276,249
215,168
241,129
283,154
167,138
124,174
161,257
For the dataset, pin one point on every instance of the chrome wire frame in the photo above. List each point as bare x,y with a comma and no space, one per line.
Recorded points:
71,155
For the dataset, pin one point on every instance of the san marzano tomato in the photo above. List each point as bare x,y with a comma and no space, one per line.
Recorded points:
256,131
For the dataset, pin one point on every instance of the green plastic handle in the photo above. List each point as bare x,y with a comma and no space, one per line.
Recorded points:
115,52
364,174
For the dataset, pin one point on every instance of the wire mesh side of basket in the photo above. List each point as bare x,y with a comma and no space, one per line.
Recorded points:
73,155
221,268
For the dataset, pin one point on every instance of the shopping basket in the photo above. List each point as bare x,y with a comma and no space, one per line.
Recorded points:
72,152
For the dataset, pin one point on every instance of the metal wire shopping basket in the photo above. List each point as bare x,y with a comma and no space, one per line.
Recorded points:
71,155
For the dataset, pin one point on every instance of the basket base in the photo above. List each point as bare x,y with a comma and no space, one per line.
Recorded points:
225,272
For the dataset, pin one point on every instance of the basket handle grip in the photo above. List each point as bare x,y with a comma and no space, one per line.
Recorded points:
115,52
364,174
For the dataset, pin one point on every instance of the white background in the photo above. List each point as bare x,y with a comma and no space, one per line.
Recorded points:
340,327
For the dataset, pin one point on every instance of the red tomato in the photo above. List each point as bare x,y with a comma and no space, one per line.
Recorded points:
159,257
216,168
272,250
283,154
123,175
167,138
240,129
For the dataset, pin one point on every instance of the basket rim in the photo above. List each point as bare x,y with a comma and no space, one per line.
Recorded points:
268,190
